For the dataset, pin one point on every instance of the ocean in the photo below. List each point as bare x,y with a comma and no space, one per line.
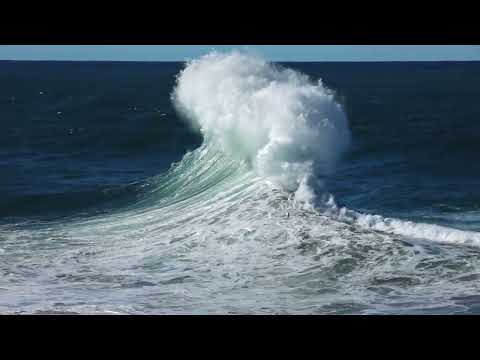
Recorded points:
231,185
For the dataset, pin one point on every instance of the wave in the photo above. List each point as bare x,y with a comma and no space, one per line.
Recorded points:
290,130
271,137
231,220
266,128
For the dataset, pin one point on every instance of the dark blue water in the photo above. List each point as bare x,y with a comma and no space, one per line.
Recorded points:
77,137
80,139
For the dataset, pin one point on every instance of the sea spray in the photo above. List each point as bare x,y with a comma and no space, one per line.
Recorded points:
288,128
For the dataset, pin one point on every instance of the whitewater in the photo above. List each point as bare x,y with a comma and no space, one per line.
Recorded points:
245,223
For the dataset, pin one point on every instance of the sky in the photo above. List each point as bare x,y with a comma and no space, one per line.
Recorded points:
270,52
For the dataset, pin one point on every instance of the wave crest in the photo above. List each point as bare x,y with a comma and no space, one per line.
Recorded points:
290,129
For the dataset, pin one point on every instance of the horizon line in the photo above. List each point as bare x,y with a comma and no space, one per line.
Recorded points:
285,61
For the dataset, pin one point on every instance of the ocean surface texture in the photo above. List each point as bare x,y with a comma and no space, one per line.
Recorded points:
229,185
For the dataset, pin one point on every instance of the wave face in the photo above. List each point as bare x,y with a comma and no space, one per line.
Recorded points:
247,219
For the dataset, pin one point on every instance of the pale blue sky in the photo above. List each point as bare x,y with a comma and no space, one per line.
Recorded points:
271,52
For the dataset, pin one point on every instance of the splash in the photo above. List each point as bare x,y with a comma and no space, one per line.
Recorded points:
289,129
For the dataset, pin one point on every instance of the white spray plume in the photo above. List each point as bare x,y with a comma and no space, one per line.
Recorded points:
286,126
